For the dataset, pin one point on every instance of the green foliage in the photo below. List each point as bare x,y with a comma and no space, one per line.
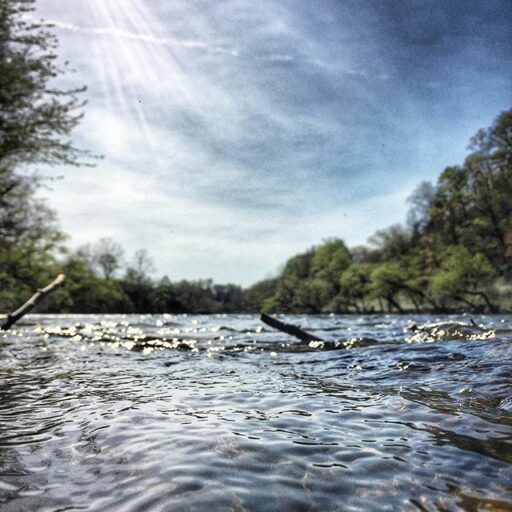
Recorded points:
330,260
387,280
86,292
310,280
390,243
355,287
191,297
462,277
230,297
255,296
296,270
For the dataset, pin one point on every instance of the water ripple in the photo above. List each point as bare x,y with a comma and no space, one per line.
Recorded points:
176,412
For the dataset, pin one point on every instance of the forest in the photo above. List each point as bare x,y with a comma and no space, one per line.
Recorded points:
452,253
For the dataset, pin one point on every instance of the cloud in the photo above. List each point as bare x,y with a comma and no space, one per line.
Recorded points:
143,38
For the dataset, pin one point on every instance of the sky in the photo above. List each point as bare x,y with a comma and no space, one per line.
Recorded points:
235,134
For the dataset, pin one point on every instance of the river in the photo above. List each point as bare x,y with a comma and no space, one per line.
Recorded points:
207,413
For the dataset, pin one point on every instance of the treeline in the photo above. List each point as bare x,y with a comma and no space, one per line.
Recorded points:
100,281
454,253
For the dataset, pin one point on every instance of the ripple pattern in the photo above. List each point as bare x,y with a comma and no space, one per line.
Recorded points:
167,413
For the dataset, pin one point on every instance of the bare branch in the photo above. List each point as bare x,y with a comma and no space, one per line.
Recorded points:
23,310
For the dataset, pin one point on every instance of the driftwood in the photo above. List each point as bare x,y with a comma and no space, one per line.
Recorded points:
23,310
291,329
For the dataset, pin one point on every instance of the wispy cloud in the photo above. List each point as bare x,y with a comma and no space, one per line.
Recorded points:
144,38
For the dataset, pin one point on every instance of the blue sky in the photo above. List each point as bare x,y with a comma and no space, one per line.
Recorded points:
238,133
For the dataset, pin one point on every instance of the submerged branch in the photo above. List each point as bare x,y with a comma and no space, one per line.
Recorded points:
291,329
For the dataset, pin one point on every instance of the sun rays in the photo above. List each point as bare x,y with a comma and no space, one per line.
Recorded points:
127,59
138,68
145,68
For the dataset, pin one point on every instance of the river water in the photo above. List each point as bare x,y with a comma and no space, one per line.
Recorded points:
204,413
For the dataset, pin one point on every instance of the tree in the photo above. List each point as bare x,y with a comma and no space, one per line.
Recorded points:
312,296
87,293
489,167
137,284
330,259
355,285
390,243
142,265
195,297
387,281
230,297
360,253
35,121
108,256
257,294
451,205
454,253
463,277
35,118
297,269
418,216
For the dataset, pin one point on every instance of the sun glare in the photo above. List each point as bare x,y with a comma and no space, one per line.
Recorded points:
131,58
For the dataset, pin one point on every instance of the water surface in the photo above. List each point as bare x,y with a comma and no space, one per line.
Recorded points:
171,413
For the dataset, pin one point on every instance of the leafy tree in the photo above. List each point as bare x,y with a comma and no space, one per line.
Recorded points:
330,259
35,121
490,169
312,296
297,269
185,297
87,293
451,206
355,286
196,297
462,277
387,280
390,243
165,297
256,295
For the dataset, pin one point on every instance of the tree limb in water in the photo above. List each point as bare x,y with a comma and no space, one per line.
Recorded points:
291,329
23,310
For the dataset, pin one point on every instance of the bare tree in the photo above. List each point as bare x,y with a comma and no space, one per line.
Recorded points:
108,256
142,265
